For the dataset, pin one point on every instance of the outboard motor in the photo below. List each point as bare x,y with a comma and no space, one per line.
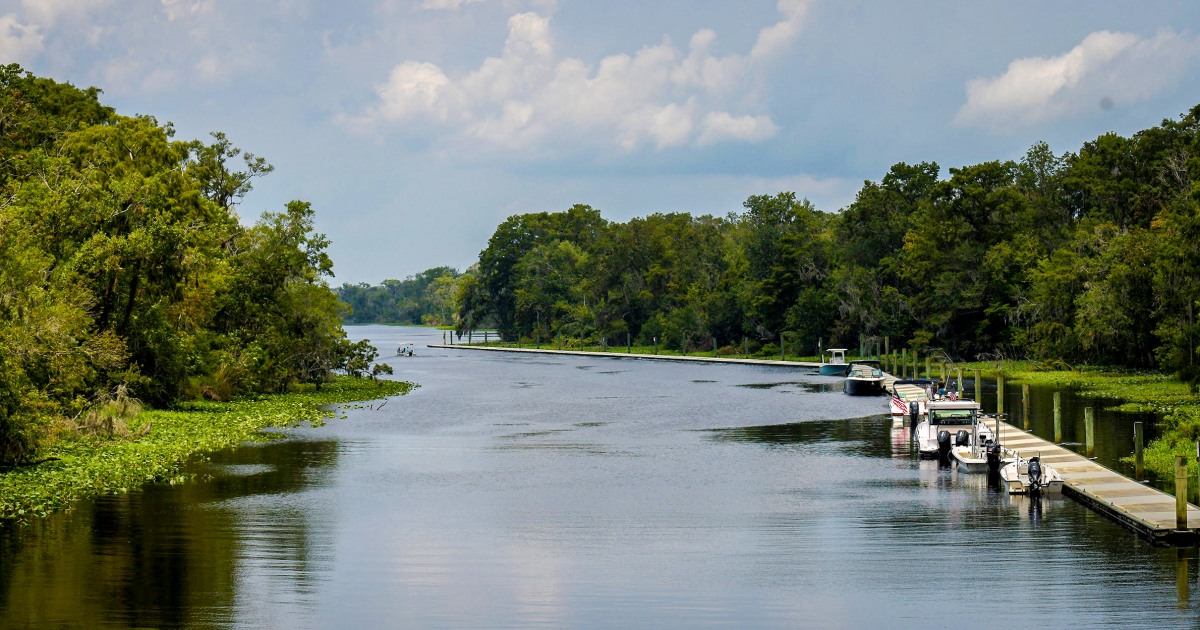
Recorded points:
962,438
914,414
1035,476
943,444
993,458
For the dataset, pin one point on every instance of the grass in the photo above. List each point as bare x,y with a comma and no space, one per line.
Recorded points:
1174,401
84,468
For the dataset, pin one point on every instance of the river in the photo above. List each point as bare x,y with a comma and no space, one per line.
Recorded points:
544,491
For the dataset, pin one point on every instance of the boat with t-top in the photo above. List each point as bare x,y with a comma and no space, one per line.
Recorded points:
950,423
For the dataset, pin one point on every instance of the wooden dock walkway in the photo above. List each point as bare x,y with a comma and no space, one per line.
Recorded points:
1147,511
617,354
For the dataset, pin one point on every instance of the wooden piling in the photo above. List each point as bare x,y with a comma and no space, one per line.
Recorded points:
1089,430
979,386
1025,406
1000,392
1139,460
1058,418
1181,482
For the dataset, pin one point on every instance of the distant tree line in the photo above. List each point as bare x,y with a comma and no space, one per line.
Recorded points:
427,298
1087,257
125,271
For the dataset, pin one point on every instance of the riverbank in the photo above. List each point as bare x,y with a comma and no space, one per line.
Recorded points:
1172,400
81,468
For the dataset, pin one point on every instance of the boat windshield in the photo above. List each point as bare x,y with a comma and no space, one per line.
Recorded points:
952,416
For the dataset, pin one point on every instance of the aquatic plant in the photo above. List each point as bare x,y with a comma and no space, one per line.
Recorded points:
76,469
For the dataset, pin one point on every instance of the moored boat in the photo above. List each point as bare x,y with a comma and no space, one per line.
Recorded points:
865,378
950,423
1031,476
908,392
837,365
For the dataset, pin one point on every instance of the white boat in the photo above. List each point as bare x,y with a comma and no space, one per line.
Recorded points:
908,392
950,423
405,350
837,365
982,456
1031,476
864,379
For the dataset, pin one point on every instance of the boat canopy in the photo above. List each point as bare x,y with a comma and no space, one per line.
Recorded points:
953,412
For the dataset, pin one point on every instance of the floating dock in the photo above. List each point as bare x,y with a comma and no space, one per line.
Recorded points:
1147,511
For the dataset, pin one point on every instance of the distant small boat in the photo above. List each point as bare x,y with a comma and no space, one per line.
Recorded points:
406,350
837,365
865,378
1032,477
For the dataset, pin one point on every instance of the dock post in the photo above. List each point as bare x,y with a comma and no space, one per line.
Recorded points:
1089,430
745,347
928,367
958,386
1180,492
1025,406
1058,417
1139,460
903,362
979,386
1000,392
782,352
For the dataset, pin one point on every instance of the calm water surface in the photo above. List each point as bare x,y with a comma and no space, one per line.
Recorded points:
548,492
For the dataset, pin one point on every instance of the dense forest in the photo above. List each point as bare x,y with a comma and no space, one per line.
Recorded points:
427,298
1089,257
126,277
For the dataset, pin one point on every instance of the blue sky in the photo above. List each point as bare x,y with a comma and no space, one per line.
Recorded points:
415,126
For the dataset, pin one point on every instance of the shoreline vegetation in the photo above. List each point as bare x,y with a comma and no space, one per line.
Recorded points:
80,469
143,321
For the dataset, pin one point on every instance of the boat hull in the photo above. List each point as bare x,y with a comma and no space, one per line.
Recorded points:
1015,479
834,369
863,386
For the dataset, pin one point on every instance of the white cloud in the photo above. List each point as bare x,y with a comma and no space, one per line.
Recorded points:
1105,69
526,97
18,42
723,126
772,40
47,12
180,9
446,5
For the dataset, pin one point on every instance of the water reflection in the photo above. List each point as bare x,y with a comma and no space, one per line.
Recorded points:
139,560
515,491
